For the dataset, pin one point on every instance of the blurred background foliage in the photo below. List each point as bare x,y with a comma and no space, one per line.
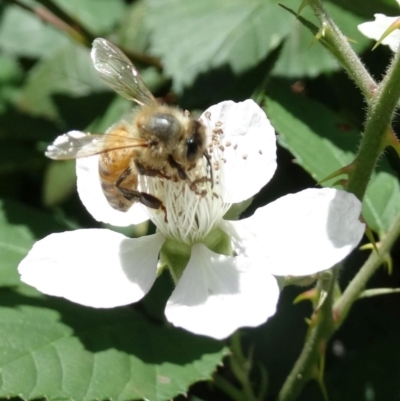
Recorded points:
192,53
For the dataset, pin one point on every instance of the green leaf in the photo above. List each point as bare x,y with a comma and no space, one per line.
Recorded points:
194,37
299,58
10,70
99,16
58,350
20,226
59,182
68,71
381,202
322,143
24,34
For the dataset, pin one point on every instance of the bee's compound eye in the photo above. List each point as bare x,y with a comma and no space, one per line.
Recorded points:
192,147
193,144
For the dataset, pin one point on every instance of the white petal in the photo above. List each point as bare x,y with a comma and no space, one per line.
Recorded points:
92,196
218,294
375,29
307,232
248,145
98,268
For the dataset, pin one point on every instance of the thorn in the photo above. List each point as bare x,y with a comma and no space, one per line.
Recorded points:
344,170
392,140
310,295
395,25
320,34
303,5
370,236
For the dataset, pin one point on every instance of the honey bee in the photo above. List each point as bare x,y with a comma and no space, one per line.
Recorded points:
160,140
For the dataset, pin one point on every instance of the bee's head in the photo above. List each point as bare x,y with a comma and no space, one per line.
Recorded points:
173,136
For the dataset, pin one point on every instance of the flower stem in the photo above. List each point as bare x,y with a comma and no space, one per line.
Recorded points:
382,101
341,49
240,366
380,113
373,292
228,388
321,328
330,322
357,285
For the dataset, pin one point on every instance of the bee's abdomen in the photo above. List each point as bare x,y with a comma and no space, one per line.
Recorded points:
111,166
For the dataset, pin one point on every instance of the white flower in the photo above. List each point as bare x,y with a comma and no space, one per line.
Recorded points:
222,287
375,30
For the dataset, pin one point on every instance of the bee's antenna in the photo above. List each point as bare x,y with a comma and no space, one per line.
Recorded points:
208,158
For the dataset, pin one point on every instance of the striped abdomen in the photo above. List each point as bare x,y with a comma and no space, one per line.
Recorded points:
111,166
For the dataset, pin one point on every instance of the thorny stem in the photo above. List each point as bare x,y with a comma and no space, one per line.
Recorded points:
373,292
240,367
330,322
379,116
357,285
344,52
228,388
381,101
322,326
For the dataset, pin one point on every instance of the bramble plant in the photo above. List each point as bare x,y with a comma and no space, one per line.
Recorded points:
240,287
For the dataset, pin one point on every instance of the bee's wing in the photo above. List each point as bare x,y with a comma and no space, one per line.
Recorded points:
118,72
76,144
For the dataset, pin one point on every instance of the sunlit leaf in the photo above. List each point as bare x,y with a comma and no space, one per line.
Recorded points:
24,34
212,33
63,351
238,34
98,16
68,71
299,58
323,142
20,226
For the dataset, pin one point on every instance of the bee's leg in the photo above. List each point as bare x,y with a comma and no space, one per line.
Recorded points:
142,170
194,183
181,172
144,198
